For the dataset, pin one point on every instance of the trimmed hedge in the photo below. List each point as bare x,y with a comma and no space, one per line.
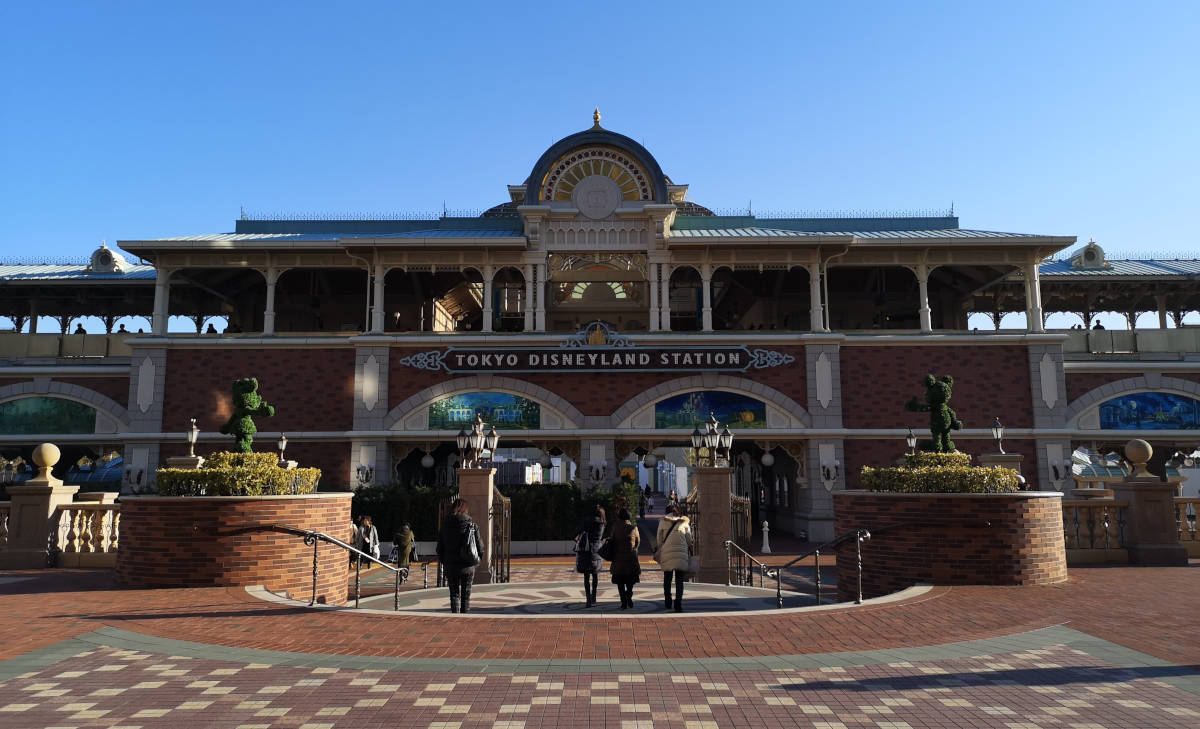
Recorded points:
943,480
932,459
237,474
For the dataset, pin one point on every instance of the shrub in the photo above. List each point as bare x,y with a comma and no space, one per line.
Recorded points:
238,474
944,479
934,459
390,505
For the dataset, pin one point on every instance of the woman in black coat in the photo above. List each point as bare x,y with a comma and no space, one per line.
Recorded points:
625,568
457,529
588,536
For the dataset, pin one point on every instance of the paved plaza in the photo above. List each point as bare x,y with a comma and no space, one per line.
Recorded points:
1113,647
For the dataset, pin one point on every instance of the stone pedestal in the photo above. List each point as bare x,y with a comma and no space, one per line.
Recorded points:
716,507
1002,460
34,506
475,486
1151,534
192,462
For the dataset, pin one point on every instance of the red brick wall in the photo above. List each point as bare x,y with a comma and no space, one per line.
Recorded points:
311,389
332,457
1022,546
1081,383
989,382
598,393
883,453
116,388
203,542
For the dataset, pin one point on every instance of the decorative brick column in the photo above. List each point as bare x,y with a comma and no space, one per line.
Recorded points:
34,508
716,510
475,486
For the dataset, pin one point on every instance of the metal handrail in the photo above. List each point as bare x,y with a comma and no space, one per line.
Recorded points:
860,535
314,539
762,567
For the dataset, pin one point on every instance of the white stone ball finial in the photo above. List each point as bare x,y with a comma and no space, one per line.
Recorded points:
1138,453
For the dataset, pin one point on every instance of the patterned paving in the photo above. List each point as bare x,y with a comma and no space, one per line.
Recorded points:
1052,686
560,598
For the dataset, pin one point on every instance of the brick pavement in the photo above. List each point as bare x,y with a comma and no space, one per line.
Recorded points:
885,649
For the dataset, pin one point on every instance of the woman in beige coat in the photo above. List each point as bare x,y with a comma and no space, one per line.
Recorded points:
674,553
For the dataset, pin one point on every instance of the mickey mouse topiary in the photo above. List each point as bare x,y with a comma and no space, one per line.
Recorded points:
246,405
941,418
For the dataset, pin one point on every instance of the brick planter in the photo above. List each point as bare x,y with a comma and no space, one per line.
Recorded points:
207,541
940,539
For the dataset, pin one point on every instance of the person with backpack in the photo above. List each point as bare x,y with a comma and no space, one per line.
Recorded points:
459,549
673,554
588,536
404,546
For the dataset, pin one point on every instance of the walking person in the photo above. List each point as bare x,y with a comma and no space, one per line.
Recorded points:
405,546
588,536
368,538
625,568
673,554
454,550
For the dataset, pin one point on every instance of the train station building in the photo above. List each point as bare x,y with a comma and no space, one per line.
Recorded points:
595,316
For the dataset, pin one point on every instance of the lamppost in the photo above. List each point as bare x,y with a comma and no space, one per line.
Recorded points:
716,440
472,445
282,446
998,433
911,440
365,473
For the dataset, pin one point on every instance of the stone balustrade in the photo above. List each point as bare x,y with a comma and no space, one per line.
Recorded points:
86,534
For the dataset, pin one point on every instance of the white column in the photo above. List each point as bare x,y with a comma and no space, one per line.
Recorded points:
923,298
540,291
706,314
666,298
528,303
1033,299
162,295
377,311
269,313
487,298
816,318
652,272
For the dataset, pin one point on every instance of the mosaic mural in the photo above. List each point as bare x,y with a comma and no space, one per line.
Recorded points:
506,412
690,409
34,415
1150,411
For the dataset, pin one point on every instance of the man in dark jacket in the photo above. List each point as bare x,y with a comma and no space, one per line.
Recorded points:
454,554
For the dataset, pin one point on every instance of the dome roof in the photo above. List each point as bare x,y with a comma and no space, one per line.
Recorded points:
598,137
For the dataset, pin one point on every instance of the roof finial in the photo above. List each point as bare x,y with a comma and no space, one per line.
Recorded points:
596,118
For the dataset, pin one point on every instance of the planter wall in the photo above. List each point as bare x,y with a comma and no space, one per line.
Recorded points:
207,541
940,539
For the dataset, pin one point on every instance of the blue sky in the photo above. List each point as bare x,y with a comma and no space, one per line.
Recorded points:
123,120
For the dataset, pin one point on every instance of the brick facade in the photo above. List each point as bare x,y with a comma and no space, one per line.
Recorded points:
941,539
206,542
114,388
311,389
1081,383
990,382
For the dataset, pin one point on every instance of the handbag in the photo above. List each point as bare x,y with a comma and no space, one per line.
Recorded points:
468,553
584,543
657,557
605,550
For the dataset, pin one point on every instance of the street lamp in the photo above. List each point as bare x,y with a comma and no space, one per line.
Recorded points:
718,442
998,433
911,440
365,474
473,444
282,445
